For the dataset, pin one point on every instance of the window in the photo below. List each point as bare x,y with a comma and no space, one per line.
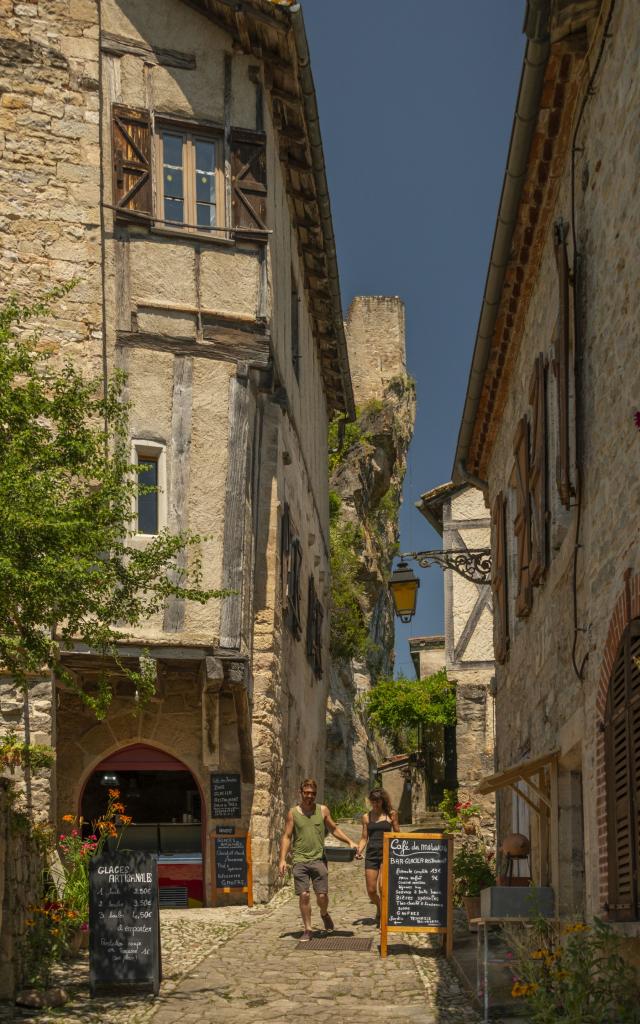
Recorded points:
291,568
295,327
189,165
191,185
150,510
622,769
148,500
315,616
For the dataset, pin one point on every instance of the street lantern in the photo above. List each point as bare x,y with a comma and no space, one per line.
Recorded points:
404,591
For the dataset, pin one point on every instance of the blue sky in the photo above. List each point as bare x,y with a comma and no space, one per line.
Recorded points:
416,102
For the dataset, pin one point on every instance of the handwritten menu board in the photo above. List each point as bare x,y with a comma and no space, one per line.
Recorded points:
124,928
416,885
231,865
225,795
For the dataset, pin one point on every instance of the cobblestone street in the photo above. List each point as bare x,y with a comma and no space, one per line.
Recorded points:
252,971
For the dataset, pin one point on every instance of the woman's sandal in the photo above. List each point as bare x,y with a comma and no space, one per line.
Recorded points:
306,937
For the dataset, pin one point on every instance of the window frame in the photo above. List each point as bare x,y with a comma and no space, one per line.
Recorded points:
144,450
190,135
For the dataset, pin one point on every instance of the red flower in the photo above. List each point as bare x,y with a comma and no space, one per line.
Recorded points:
636,417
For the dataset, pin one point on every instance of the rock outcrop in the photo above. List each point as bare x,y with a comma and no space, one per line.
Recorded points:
367,470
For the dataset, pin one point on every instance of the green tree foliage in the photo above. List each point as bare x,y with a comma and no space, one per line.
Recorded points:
67,490
397,705
348,631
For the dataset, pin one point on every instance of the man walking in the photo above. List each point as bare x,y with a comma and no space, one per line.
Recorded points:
306,823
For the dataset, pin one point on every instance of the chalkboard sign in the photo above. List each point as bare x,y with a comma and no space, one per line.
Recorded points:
417,885
124,923
231,865
225,796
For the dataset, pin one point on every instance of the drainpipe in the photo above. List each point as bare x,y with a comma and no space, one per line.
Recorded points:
536,27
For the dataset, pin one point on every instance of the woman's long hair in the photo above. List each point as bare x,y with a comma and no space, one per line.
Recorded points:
381,794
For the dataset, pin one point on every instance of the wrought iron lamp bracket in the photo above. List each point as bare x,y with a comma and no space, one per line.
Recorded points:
473,564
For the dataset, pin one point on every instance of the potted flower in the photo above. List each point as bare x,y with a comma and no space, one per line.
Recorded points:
472,872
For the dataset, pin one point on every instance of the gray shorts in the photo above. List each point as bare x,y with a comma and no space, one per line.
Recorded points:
311,872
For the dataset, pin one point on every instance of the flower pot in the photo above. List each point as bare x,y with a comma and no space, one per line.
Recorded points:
472,907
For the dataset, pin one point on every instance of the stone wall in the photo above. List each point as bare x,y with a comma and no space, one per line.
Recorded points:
21,871
368,479
542,704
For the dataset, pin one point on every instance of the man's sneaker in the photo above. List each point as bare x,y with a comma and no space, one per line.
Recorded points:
328,922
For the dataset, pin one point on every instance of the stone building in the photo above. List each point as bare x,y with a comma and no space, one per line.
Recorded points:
548,430
168,156
459,514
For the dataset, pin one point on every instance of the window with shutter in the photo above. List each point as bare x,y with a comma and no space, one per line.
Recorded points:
499,579
285,549
538,472
294,588
561,366
249,179
522,520
131,153
315,616
622,765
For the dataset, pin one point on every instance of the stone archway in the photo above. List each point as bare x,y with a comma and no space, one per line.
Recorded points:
168,809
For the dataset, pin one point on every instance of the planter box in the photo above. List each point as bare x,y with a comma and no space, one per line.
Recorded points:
517,901
339,853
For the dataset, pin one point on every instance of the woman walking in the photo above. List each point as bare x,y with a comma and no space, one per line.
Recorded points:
380,819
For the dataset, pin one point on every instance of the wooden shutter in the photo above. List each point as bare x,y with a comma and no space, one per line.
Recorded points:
285,550
317,662
561,366
499,579
622,753
249,179
311,618
293,587
522,519
538,472
131,152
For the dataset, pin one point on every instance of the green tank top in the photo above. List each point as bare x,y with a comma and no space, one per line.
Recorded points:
308,836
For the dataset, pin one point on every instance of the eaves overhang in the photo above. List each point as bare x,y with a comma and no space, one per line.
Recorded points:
559,37
274,34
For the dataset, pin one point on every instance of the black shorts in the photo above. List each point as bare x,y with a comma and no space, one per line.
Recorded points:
373,860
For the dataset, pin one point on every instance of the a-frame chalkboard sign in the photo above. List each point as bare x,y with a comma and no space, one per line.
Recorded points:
231,869
124,922
416,886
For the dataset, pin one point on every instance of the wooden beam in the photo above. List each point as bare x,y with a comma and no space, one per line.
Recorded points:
243,29
554,830
539,792
522,770
523,796
293,132
290,98
235,545
215,19
121,46
227,346
255,14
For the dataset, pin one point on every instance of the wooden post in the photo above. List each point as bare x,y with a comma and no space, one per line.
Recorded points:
384,895
554,826
214,891
249,872
448,939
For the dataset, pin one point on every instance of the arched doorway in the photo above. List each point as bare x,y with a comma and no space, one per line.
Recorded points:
165,803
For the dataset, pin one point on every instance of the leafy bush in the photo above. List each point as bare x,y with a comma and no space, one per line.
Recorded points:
576,974
472,871
397,704
345,805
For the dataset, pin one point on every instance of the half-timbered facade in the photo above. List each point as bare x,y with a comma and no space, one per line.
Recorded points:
548,430
168,156
459,514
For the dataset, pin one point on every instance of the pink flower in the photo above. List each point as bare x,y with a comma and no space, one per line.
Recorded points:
93,838
84,927
62,838
636,417
74,832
